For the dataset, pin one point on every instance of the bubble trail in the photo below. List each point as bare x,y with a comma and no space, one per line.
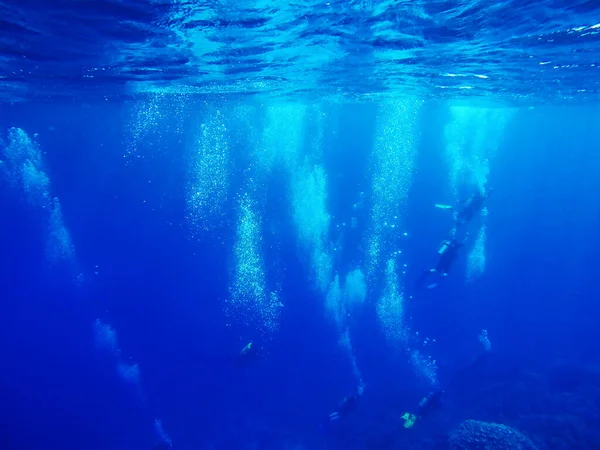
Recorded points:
250,302
23,165
355,289
59,245
393,161
476,258
485,340
285,136
161,434
129,372
276,145
390,309
391,314
150,117
209,175
282,137
333,302
472,137
337,310
23,161
106,338
283,140
309,205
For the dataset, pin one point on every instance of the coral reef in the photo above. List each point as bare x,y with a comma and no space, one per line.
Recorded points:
474,435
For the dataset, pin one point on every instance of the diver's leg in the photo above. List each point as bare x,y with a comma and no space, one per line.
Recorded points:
434,279
425,277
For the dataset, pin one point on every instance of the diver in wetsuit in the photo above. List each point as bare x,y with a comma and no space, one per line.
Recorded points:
476,368
249,353
347,405
447,254
472,205
429,403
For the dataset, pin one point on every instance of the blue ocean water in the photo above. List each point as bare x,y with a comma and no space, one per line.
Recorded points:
216,217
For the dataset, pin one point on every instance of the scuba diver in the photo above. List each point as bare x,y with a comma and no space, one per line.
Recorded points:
429,403
476,368
447,254
249,353
472,205
347,405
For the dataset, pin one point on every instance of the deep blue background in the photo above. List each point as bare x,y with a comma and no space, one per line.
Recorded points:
163,293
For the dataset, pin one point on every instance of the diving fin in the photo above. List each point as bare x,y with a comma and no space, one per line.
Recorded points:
409,420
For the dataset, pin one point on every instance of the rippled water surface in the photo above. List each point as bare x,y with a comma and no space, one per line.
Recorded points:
533,51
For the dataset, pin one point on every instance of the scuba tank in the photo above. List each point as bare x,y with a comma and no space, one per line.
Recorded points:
444,247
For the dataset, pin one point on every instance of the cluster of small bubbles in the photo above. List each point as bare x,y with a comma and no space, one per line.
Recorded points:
390,308
309,205
249,301
390,311
36,185
129,372
316,122
24,168
480,173
282,137
21,148
360,203
278,144
147,117
80,279
345,341
59,245
24,162
309,199
156,113
209,175
394,155
340,303
476,258
424,342
485,340
425,366
346,344
322,267
455,142
472,136
333,302
355,289
106,337
466,135
161,434
373,251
